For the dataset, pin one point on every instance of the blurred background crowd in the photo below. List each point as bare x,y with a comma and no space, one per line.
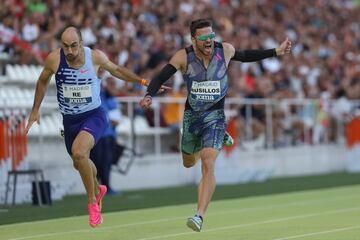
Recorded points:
143,34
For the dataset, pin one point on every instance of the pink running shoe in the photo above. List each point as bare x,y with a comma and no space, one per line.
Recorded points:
94,214
103,190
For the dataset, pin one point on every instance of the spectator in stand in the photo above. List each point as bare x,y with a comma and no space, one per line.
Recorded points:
154,31
103,151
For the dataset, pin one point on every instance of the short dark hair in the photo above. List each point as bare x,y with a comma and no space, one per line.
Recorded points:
199,23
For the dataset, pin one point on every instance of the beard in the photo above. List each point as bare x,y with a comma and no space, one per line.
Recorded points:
205,49
70,57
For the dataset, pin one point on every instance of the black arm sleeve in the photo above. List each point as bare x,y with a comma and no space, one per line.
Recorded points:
253,55
162,77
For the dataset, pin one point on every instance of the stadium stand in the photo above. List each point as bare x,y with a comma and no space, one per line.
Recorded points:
313,93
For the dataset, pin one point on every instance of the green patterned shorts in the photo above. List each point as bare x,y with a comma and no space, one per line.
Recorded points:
202,130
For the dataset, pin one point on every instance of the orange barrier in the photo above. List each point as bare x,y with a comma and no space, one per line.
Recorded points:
353,132
13,139
24,136
7,137
13,148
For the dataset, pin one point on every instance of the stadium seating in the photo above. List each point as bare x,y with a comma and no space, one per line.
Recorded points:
141,127
24,74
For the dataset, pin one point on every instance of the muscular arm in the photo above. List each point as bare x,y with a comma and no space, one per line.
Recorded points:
117,71
160,79
175,63
253,55
41,86
247,55
43,82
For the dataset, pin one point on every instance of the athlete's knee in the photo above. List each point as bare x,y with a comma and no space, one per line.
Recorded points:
79,156
189,160
188,163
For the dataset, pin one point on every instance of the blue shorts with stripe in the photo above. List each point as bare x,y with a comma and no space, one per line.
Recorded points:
93,122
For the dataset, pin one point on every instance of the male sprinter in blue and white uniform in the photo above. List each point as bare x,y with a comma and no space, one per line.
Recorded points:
204,67
78,94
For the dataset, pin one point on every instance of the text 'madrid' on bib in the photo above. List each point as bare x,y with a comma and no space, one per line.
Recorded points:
207,90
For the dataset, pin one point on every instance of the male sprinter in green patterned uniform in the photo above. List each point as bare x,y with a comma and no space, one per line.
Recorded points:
204,67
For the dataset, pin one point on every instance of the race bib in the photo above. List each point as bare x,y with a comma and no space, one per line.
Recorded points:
208,90
77,94
208,87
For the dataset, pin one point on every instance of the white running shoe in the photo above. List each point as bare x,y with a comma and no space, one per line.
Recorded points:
195,223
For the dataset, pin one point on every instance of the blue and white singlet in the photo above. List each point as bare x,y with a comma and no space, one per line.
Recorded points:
78,90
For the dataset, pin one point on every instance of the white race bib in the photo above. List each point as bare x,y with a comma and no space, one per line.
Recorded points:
206,88
77,94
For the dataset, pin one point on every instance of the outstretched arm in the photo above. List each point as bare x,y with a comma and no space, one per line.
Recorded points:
253,55
160,79
257,55
117,71
156,83
41,87
175,63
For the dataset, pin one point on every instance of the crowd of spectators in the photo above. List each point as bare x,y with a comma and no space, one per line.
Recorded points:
142,34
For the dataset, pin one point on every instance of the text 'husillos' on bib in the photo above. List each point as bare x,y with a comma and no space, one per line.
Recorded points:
208,87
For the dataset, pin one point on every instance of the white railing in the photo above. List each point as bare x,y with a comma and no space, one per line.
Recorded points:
46,148
49,112
311,120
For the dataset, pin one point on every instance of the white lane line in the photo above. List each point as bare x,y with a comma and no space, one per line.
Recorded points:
319,233
4,210
298,203
51,234
179,218
255,223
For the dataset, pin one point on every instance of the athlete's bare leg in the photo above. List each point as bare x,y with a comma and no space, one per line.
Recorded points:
208,183
81,147
96,183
